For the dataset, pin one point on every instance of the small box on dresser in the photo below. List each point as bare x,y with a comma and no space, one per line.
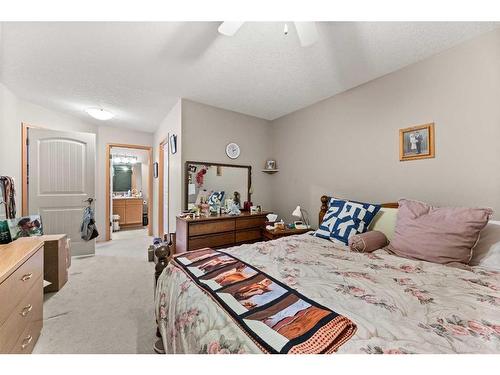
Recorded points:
21,295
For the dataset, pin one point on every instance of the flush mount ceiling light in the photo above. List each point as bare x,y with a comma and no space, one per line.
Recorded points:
100,114
306,31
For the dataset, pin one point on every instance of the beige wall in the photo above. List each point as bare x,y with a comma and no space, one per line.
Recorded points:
170,125
206,132
348,144
14,111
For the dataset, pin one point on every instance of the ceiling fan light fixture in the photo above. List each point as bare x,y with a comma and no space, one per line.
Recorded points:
229,28
307,33
100,114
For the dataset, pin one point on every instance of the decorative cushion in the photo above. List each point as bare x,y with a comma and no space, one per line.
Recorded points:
346,218
385,222
437,234
215,198
487,251
368,241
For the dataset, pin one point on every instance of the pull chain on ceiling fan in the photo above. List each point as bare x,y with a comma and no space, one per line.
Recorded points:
306,31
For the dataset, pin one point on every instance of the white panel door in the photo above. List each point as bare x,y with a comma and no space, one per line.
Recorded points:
61,178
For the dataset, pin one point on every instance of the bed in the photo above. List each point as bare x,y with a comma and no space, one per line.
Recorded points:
398,305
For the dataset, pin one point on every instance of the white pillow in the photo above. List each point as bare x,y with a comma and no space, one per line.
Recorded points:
385,221
487,251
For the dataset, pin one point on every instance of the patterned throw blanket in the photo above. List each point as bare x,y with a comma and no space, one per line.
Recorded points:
277,318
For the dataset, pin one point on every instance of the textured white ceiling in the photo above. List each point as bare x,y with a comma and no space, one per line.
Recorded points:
138,70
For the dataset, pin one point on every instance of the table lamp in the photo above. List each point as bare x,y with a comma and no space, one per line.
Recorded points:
298,212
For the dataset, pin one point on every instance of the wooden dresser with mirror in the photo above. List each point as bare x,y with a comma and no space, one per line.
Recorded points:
230,182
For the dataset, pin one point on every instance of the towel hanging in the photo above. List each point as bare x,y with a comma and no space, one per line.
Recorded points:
8,196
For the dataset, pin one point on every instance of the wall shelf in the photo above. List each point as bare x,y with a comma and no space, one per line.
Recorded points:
270,171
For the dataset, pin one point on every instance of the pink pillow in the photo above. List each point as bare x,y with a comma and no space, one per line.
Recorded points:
368,241
437,234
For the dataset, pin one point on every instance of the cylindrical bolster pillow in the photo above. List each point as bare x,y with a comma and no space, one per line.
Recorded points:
368,241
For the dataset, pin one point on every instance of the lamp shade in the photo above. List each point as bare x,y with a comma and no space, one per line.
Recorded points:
297,212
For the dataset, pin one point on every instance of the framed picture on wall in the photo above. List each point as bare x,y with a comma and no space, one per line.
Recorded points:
173,143
416,142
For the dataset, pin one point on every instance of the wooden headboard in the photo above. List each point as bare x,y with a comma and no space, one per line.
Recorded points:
324,207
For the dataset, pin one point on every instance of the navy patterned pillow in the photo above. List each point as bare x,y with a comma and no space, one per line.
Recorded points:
215,198
344,219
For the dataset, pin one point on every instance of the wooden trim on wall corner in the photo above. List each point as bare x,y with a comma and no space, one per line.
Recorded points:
24,169
161,187
150,192
107,219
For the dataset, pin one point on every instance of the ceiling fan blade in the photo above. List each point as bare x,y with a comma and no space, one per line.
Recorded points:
229,28
307,32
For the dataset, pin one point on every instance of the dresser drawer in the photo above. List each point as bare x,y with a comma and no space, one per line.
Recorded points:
17,285
28,310
250,222
26,342
214,240
248,235
215,226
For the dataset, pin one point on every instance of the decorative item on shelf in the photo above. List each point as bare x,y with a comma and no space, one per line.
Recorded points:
4,233
200,176
299,212
236,199
228,203
234,210
214,210
26,226
173,143
279,226
416,142
204,207
270,167
255,209
247,205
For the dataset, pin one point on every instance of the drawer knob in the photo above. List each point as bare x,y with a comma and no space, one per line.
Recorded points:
26,310
26,341
27,276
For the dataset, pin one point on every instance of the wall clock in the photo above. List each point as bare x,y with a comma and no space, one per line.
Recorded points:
233,150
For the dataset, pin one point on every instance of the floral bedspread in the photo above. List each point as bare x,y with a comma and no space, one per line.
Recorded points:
399,305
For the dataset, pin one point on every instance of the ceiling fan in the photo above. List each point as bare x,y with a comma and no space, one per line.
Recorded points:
306,31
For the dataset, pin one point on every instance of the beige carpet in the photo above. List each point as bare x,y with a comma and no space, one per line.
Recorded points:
107,304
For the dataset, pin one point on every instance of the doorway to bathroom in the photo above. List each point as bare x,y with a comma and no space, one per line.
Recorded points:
129,183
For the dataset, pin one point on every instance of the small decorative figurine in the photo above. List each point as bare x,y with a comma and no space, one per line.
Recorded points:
236,199
234,210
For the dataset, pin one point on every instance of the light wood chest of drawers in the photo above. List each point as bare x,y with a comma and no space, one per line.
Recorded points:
21,295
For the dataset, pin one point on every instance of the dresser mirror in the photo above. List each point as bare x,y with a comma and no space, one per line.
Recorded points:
216,184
